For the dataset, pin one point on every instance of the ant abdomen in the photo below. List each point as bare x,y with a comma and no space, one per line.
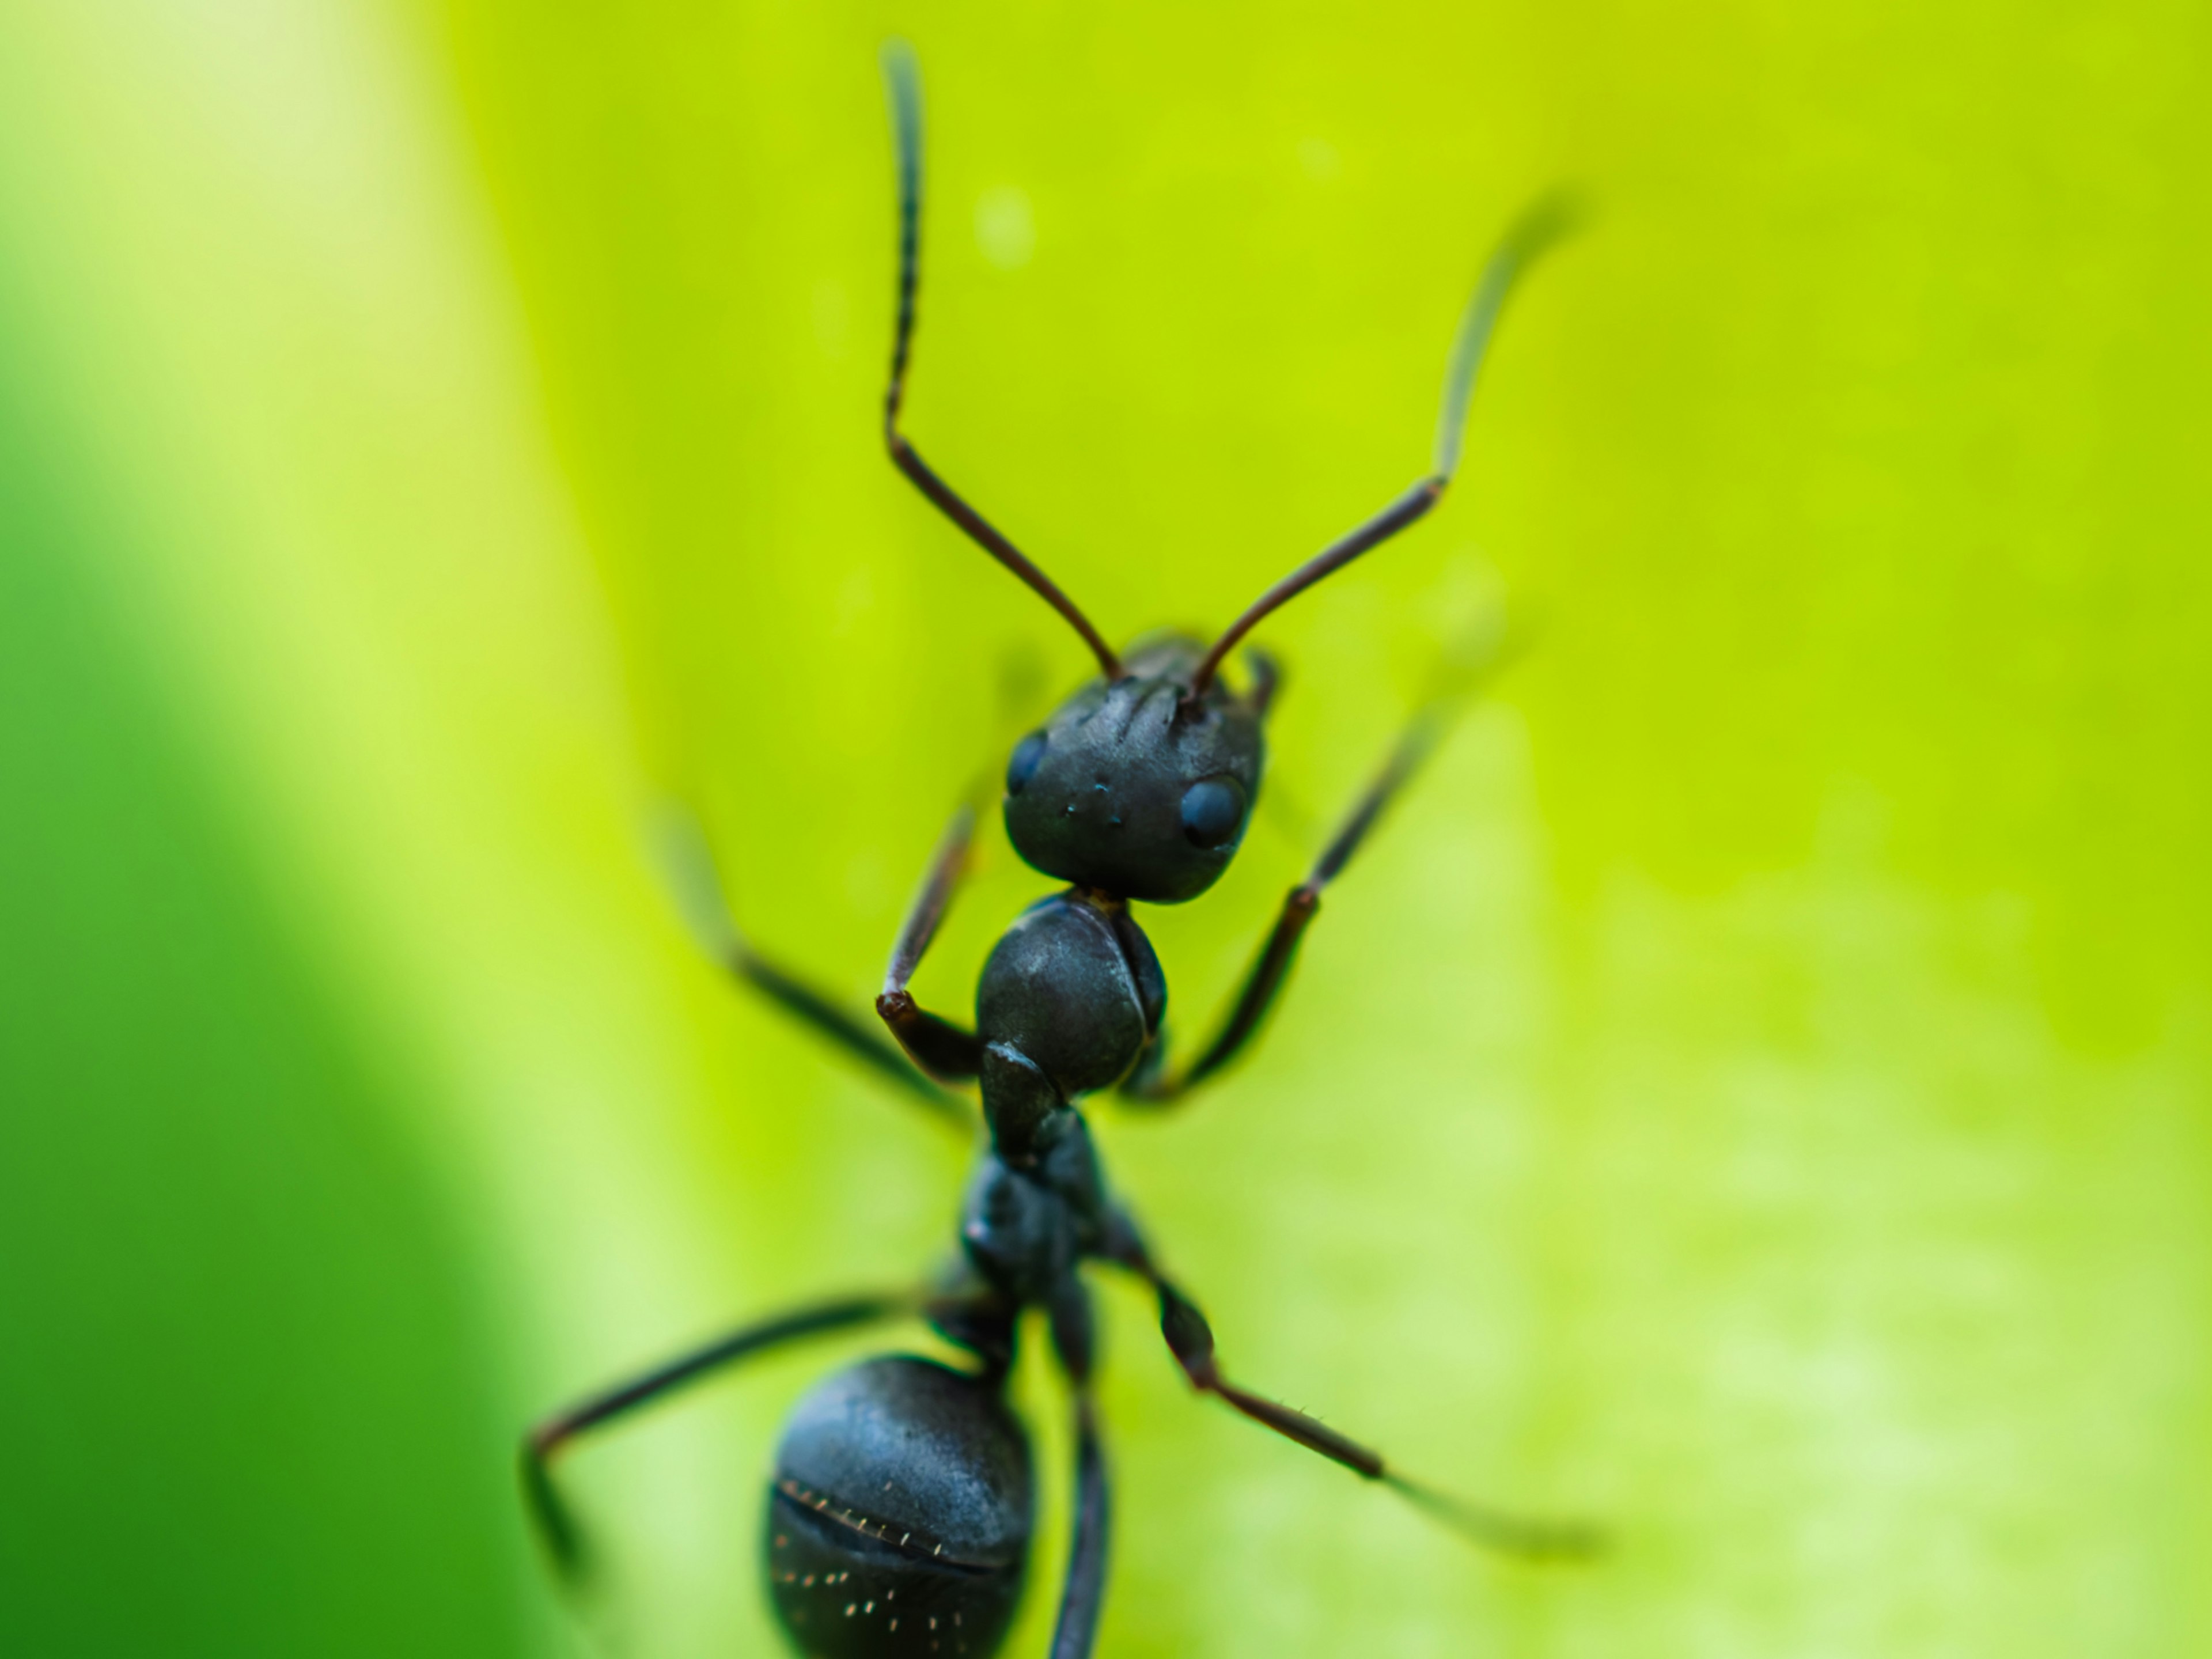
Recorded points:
899,1521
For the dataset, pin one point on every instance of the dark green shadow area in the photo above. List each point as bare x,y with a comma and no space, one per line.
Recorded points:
245,1408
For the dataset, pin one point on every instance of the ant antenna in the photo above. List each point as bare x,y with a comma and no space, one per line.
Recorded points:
904,77
1535,230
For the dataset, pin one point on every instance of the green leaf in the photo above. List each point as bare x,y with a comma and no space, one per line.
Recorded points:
1751,1095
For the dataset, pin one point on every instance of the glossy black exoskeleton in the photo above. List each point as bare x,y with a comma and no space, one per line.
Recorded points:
900,1511
899,1518
1134,788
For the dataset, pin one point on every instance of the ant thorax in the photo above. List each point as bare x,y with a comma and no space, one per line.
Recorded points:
1067,1002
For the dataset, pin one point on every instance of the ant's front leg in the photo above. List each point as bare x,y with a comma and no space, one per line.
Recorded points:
947,1051
1149,1083
689,867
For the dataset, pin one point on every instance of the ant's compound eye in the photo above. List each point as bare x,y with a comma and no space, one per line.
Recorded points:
1212,810
1023,765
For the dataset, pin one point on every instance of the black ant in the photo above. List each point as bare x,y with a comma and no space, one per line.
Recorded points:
899,1514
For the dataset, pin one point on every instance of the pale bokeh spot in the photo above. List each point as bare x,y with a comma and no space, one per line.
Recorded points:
833,319
1006,229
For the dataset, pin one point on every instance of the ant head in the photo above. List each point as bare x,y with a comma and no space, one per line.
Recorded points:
1136,787
1140,784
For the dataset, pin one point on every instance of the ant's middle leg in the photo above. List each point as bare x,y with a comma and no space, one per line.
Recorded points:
689,868
966,1313
554,1524
1150,1083
1190,1339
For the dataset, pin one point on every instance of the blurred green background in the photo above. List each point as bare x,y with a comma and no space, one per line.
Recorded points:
1755,1091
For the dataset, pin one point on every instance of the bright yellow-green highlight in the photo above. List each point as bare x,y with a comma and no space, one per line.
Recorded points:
1753,1092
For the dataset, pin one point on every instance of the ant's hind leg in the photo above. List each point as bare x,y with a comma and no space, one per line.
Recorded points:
554,1523
689,867
1077,1629
1080,1603
1190,1339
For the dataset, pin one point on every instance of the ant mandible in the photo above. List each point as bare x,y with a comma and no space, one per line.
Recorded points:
899,1514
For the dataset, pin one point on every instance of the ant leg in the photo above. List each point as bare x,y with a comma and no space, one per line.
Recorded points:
904,81
1190,1339
941,1048
1265,978
689,868
1085,1592
1080,1603
554,1525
